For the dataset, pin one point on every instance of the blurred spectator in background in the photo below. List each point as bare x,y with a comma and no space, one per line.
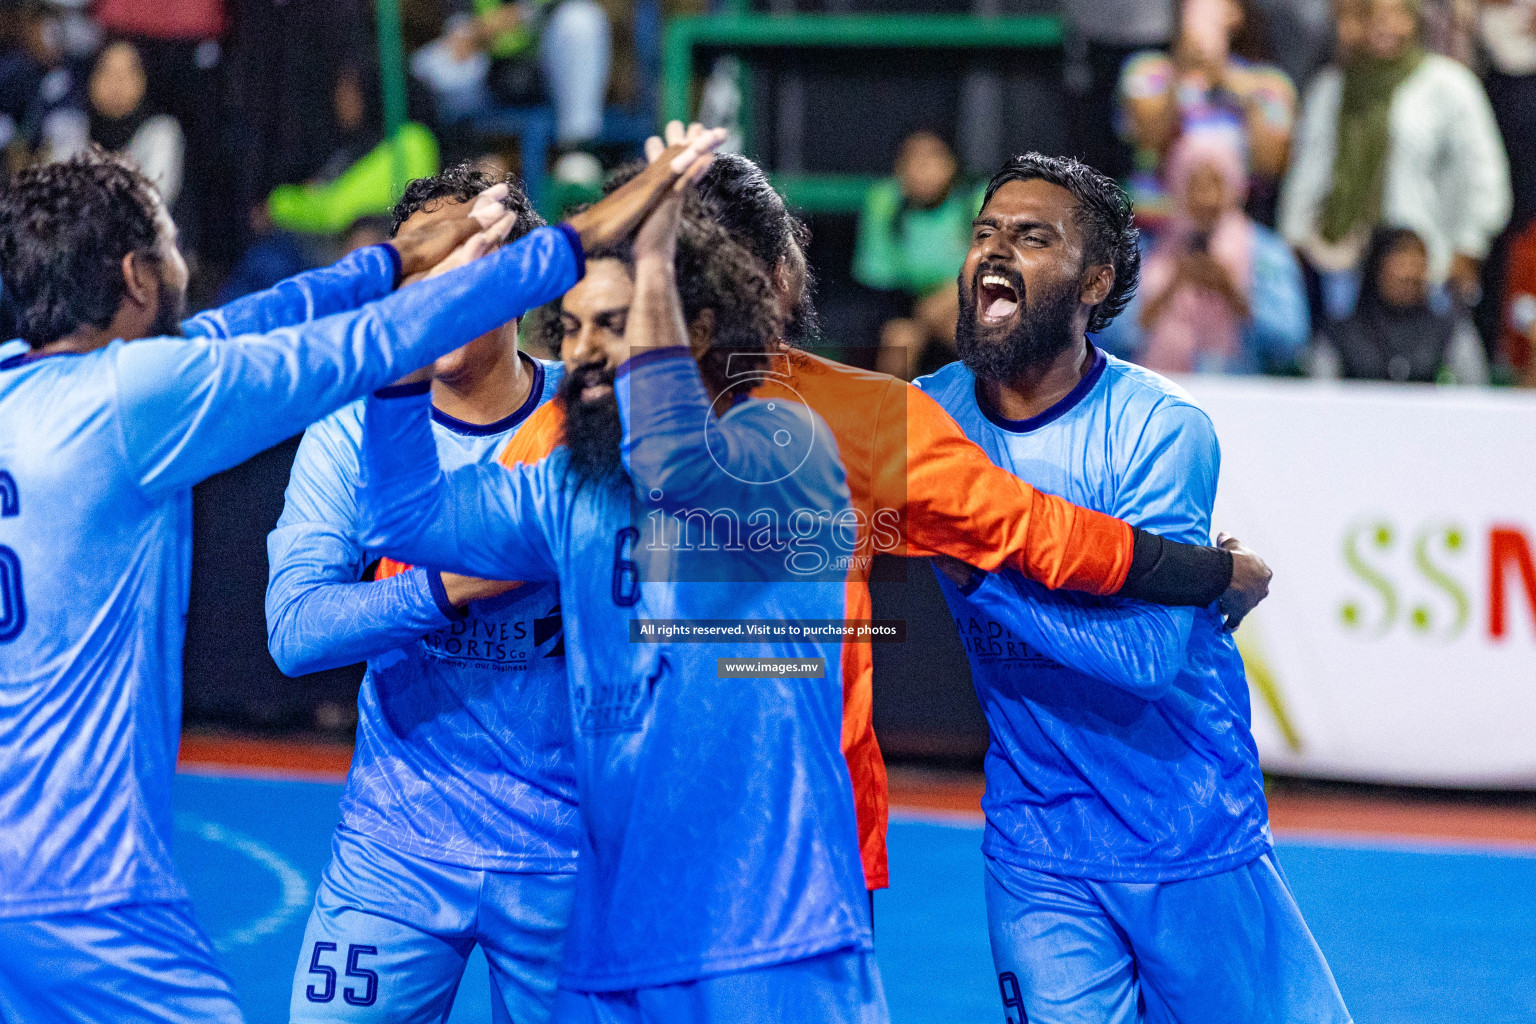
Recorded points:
1101,36
1217,74
45,55
118,117
1517,333
21,75
1219,292
1395,333
1507,29
1450,28
301,226
357,179
913,235
522,53
179,47
1400,136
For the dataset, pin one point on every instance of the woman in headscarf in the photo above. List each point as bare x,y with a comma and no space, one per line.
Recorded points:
1219,292
1395,135
118,117
1395,333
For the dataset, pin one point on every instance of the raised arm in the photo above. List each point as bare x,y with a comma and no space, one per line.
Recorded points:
193,408
485,521
319,613
677,452
359,277
355,279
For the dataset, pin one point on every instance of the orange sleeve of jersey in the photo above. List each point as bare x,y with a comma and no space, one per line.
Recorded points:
957,502
539,436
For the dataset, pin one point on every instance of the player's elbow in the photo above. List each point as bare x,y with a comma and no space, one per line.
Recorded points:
284,639
674,477
384,528
290,659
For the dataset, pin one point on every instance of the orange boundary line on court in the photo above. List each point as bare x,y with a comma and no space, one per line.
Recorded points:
1310,814
201,752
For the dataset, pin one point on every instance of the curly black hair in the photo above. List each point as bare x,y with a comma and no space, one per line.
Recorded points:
738,194
64,230
739,197
461,183
713,273
1103,213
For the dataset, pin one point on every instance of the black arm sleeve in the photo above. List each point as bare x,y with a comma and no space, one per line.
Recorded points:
1167,572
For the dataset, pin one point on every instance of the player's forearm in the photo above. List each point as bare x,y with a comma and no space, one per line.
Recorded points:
194,409
320,626
1135,646
960,503
476,521
355,279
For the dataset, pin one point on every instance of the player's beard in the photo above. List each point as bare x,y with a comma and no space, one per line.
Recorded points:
171,312
804,324
1043,331
593,429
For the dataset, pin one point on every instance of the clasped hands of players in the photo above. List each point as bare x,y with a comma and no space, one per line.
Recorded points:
438,248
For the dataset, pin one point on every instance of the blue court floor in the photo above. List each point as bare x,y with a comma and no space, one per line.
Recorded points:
1416,934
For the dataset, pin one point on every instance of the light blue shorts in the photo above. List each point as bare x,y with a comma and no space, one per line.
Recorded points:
390,935
141,962
1230,948
839,988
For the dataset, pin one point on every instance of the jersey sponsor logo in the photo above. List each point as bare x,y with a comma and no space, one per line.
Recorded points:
614,706
498,642
549,634
992,643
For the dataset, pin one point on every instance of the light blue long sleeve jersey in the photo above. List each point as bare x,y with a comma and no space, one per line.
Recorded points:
718,822
463,737
98,454
1121,749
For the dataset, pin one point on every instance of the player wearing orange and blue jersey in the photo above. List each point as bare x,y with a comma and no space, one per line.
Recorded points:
719,874
921,487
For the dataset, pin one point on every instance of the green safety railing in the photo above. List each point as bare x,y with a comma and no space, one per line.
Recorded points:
739,30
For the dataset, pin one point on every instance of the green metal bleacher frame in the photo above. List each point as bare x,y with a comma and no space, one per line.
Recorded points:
742,30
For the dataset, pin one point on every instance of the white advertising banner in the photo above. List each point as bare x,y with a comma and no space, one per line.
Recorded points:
1399,641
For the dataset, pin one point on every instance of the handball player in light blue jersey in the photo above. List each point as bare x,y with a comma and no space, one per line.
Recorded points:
458,822
719,875
102,436
1130,869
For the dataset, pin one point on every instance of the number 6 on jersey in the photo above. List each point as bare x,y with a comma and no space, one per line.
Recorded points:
13,607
